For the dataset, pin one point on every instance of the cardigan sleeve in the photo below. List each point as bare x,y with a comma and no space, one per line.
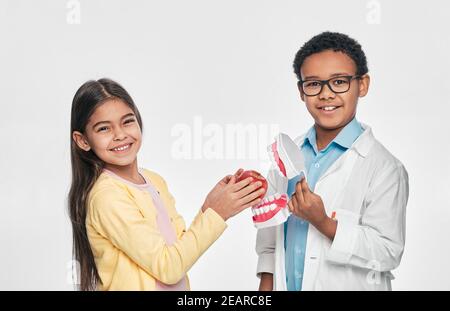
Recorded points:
116,217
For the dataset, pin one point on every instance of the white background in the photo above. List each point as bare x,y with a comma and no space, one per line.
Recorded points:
227,62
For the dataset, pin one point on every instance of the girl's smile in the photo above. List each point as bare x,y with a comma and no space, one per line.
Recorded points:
114,134
123,148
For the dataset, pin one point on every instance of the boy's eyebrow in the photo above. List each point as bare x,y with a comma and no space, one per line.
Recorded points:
340,74
331,76
123,117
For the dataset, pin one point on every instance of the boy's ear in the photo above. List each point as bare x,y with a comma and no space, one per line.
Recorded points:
302,95
81,141
364,83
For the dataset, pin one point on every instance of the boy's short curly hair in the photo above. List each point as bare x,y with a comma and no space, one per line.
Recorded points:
334,41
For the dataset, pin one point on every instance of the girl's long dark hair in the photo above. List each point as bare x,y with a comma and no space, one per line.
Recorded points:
86,168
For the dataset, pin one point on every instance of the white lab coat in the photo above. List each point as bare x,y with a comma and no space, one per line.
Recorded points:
368,189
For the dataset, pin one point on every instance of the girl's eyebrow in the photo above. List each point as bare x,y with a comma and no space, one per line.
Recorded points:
123,117
98,123
127,115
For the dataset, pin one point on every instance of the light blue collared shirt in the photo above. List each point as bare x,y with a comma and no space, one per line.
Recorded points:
316,163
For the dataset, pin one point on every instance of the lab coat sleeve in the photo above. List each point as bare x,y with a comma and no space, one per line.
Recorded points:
265,248
377,241
266,237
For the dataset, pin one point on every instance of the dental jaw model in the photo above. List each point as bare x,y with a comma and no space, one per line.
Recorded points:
271,211
288,162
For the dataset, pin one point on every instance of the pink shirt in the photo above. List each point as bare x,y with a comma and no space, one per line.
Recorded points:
163,222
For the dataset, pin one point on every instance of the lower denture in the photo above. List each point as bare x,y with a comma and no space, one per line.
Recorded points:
280,203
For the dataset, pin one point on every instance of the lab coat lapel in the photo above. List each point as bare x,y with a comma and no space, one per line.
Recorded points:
340,173
361,146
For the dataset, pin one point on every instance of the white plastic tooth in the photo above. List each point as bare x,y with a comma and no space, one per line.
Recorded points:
271,154
277,196
272,157
266,208
270,150
273,207
271,198
253,212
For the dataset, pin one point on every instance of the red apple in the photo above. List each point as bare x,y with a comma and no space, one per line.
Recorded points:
256,177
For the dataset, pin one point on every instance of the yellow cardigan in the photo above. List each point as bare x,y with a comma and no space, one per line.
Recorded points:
129,251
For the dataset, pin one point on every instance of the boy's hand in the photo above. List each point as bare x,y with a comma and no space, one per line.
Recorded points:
309,206
266,283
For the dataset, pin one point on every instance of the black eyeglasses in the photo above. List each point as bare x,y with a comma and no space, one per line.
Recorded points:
340,84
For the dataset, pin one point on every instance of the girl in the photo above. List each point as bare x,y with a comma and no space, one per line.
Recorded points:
127,234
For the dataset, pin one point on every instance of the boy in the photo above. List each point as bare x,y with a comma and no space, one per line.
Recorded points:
347,228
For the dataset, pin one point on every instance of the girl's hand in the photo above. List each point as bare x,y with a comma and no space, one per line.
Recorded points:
229,198
227,178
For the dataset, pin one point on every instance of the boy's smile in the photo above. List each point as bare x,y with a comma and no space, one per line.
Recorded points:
332,111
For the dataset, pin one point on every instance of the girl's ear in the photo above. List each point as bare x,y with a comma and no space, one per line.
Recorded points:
364,83
81,141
